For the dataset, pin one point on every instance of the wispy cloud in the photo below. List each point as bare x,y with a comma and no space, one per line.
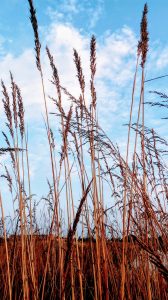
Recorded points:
162,60
71,6
116,55
115,64
71,10
96,13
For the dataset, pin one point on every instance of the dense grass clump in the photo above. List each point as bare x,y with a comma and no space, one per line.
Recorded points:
119,252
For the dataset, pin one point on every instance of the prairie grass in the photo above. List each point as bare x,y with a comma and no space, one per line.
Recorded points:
116,252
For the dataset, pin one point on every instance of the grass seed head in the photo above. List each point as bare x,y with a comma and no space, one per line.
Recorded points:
143,44
34,22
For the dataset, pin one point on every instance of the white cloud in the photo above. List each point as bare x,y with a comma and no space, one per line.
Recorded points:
70,6
67,8
96,13
116,55
162,60
2,41
115,64
71,10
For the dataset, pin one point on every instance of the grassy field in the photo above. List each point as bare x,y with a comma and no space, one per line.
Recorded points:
115,252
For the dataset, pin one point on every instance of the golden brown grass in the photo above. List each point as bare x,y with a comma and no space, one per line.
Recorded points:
119,255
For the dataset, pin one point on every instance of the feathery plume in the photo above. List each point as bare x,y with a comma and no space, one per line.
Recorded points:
93,56
65,134
15,115
20,111
55,75
8,177
93,69
34,23
80,75
143,44
52,138
67,126
7,108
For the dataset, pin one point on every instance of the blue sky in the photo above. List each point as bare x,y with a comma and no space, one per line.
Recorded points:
70,23
91,16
